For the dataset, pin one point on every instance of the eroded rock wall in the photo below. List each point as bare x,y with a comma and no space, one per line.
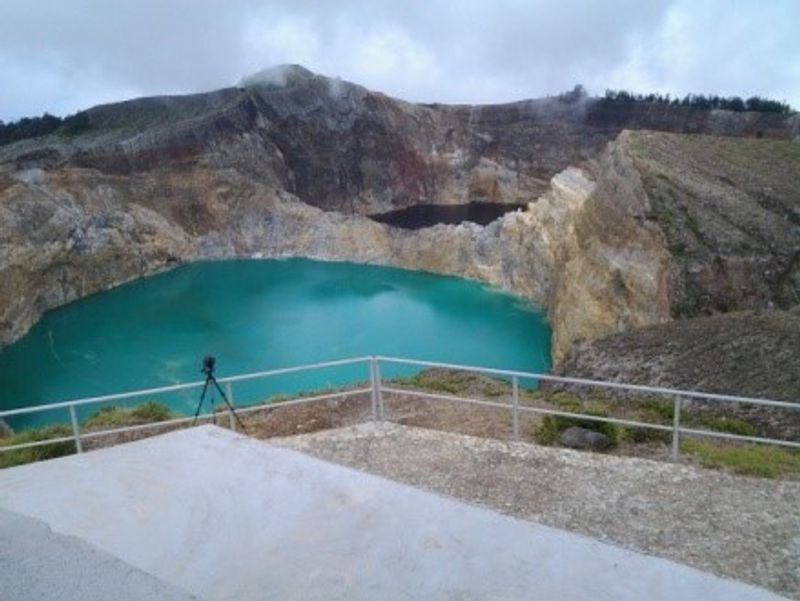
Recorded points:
595,249
611,274
621,231
72,232
56,247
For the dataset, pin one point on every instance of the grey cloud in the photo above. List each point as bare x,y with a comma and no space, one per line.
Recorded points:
59,57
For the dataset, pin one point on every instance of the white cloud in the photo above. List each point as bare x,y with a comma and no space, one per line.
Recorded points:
392,56
56,55
288,40
733,48
58,91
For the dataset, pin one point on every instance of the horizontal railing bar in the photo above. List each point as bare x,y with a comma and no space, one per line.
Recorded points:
612,420
177,387
137,427
182,420
445,397
599,383
289,370
210,416
740,437
99,399
300,401
589,417
599,418
402,391
38,443
538,410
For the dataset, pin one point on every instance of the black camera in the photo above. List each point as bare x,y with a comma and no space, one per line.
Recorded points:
208,365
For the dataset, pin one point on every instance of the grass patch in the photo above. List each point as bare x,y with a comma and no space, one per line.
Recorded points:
752,460
655,410
649,410
644,435
549,430
495,389
731,425
566,401
445,382
20,456
662,412
283,397
454,382
151,411
118,417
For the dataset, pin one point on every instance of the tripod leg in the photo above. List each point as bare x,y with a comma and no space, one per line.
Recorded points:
200,404
228,403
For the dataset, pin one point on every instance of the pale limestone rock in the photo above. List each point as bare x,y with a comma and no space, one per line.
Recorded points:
613,268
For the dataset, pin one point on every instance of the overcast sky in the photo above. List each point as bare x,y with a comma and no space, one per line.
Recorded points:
64,55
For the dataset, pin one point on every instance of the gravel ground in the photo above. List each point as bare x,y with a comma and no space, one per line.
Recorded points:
743,528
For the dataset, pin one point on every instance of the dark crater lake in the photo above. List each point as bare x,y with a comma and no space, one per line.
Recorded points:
255,315
427,215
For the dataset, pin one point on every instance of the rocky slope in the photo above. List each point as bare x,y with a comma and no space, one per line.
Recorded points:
623,228
702,353
746,353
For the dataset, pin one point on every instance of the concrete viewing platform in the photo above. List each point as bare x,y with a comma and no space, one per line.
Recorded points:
210,513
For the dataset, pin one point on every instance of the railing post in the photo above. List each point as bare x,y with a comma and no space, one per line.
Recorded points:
378,390
515,406
676,429
76,432
373,382
231,416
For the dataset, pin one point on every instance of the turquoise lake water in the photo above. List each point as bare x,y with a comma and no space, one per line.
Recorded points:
254,315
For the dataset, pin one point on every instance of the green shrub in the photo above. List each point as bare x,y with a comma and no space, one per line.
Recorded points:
76,124
105,416
495,388
731,425
117,417
456,382
550,428
438,381
18,457
566,401
644,435
151,411
753,460
659,411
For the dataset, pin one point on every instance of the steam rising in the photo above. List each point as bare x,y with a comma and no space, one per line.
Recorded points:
279,76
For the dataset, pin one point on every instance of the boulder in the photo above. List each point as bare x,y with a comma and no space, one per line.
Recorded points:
583,438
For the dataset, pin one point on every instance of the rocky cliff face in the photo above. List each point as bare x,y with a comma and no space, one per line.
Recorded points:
611,274
679,226
292,168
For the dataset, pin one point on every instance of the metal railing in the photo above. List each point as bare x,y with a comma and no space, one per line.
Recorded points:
377,388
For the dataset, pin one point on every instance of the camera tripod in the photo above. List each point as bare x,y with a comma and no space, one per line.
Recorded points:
208,370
